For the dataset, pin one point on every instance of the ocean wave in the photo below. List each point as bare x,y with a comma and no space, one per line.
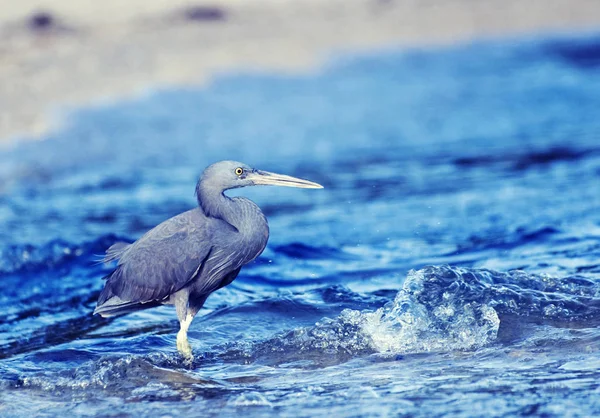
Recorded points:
120,375
24,258
439,308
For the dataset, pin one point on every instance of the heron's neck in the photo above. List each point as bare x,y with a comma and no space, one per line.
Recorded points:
240,213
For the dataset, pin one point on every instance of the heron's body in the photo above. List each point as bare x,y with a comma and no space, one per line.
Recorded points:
186,258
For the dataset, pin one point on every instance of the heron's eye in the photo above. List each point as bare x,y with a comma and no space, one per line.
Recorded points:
239,171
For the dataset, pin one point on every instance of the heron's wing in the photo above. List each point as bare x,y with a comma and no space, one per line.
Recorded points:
160,263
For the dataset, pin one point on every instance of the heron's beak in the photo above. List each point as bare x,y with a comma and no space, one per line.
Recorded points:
273,179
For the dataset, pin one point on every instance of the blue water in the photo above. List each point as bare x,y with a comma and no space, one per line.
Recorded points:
451,266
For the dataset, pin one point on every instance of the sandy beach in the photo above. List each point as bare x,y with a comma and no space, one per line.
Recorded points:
57,54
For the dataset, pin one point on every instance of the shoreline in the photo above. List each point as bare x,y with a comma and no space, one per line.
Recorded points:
79,55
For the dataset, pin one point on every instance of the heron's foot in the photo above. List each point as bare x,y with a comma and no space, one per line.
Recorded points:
183,346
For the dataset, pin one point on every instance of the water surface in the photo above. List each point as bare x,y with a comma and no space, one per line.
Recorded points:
451,266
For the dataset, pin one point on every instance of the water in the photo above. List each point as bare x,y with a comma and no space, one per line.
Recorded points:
451,266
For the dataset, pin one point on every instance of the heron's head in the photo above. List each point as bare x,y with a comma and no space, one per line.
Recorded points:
227,175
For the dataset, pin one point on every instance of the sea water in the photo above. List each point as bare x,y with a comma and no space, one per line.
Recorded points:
451,265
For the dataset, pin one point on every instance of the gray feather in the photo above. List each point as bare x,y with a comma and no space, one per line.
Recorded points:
115,251
161,262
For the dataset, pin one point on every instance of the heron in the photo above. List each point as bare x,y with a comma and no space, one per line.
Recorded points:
184,259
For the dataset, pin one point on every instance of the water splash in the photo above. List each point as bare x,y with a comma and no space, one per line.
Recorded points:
438,309
416,322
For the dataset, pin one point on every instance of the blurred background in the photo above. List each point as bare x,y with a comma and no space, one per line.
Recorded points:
59,54
450,267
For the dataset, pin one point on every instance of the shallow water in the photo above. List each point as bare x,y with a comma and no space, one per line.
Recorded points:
451,266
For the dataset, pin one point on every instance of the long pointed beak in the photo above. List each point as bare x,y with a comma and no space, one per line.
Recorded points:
273,179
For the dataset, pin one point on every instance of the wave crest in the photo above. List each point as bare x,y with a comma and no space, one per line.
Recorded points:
438,308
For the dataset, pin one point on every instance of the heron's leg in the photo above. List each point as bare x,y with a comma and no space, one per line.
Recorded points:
187,307
185,315
183,345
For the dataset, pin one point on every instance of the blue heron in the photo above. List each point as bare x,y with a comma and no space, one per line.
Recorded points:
184,259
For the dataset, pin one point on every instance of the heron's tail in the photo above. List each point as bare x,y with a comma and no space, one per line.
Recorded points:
115,251
116,306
